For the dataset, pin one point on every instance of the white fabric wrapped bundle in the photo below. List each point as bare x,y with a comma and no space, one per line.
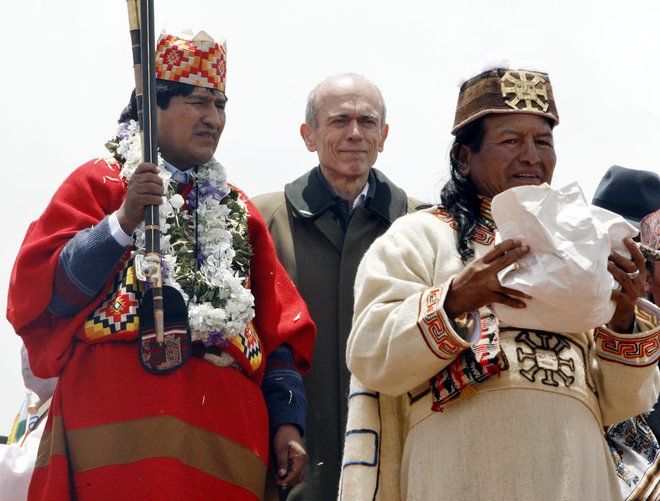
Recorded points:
566,269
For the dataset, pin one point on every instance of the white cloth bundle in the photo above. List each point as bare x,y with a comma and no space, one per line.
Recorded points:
566,269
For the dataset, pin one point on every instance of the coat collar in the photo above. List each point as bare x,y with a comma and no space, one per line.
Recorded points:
309,198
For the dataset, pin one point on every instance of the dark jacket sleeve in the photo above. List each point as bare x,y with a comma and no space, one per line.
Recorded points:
284,391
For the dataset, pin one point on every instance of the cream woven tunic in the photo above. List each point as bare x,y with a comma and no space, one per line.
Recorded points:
533,433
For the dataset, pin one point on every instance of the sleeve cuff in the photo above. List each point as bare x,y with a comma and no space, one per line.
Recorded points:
286,400
436,328
637,350
117,233
284,391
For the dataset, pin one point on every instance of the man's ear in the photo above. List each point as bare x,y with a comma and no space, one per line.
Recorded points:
383,137
307,133
462,154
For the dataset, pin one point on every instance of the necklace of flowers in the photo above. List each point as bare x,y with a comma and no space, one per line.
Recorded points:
205,254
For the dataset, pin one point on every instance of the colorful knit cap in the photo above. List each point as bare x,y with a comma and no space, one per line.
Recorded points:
198,60
503,90
649,229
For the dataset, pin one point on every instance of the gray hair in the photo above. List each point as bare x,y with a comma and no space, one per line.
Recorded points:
310,109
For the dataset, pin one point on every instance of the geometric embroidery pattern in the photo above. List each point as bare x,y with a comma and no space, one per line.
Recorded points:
473,366
199,62
545,357
446,217
119,310
637,352
481,235
434,331
249,345
636,455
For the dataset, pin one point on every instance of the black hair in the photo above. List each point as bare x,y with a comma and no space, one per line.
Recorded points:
459,195
165,90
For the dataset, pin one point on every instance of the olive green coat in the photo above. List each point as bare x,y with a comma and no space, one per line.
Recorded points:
322,261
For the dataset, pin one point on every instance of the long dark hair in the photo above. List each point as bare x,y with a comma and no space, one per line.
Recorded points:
459,195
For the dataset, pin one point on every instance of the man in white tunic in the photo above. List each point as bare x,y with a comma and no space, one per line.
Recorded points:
447,403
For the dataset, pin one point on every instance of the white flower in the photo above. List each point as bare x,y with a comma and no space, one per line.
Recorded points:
176,201
215,220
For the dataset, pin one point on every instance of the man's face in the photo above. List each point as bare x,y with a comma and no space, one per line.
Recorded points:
349,133
189,129
517,149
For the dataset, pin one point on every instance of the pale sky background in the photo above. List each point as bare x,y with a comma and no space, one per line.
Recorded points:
67,73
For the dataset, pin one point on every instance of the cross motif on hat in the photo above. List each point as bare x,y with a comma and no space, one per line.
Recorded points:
528,90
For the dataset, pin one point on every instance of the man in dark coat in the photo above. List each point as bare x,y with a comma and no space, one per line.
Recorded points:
322,224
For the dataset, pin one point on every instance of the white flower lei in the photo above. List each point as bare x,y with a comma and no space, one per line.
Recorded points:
221,219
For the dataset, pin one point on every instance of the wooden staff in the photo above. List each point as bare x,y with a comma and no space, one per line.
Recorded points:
651,255
141,23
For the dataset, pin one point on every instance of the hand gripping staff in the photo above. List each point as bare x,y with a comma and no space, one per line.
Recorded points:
164,340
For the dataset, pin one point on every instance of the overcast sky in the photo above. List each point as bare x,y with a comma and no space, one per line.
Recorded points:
67,73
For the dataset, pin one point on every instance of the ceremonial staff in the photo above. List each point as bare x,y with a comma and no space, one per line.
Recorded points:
141,23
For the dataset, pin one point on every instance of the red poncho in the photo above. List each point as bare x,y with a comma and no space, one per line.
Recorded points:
116,431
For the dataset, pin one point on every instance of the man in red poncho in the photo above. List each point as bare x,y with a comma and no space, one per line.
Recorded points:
201,431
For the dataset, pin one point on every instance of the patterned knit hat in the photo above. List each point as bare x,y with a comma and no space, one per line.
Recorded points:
196,60
503,90
649,230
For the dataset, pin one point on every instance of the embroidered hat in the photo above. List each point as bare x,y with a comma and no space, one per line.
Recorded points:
649,230
630,193
503,90
196,60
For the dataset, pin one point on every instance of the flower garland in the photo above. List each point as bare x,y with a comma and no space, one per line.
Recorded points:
205,254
